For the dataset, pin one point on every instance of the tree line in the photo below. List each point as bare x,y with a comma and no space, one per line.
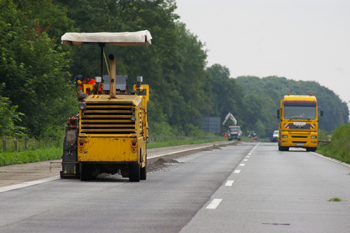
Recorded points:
37,71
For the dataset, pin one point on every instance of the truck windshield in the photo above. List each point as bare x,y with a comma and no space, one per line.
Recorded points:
234,129
300,112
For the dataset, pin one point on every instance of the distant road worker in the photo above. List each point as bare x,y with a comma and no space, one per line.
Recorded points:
81,80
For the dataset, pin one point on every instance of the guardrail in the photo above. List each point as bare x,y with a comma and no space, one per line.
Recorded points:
324,141
27,144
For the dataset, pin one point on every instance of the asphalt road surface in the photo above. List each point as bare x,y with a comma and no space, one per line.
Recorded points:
250,187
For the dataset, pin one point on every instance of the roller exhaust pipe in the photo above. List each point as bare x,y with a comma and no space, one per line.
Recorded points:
112,82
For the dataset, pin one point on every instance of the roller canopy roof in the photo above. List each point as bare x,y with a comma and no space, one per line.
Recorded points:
113,38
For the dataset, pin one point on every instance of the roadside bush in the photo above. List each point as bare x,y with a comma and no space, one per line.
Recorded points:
30,156
322,134
339,146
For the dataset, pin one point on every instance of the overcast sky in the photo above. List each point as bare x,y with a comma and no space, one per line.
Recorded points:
298,39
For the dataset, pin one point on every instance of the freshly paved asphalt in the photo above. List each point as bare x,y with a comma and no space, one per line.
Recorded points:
273,192
280,192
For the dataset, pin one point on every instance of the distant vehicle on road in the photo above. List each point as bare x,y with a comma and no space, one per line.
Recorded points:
298,122
234,132
252,135
274,136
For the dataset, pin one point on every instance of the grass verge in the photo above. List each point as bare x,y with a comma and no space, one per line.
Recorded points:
51,153
339,147
30,156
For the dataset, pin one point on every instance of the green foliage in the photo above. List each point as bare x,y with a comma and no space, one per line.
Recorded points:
38,71
8,116
33,66
173,65
225,95
339,146
322,135
30,156
335,199
336,112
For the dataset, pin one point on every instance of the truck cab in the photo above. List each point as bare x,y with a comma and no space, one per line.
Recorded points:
234,132
298,122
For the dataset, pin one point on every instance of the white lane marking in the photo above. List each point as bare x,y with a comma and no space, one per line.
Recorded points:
229,183
214,203
27,184
245,160
247,156
250,152
330,159
180,151
237,171
242,164
30,183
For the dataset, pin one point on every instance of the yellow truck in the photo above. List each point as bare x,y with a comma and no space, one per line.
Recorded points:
110,133
298,122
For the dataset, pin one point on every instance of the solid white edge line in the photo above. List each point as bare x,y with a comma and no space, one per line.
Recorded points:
331,159
27,184
229,183
214,204
180,151
30,183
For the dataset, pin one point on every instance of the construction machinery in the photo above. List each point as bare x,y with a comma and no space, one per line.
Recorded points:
229,115
110,133
298,122
233,132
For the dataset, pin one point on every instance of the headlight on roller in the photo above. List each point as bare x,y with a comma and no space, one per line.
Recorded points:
82,105
284,136
313,137
133,118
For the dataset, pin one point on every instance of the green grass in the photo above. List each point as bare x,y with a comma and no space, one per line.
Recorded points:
50,153
30,156
339,146
335,199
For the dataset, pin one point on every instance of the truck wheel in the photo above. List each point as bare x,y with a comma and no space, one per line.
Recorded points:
134,172
239,139
85,172
143,173
283,148
313,149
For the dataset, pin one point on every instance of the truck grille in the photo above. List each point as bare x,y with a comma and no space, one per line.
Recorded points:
107,118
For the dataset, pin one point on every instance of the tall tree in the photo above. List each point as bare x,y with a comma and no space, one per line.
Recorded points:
34,68
227,96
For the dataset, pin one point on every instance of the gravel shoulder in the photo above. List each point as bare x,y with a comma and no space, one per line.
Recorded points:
15,174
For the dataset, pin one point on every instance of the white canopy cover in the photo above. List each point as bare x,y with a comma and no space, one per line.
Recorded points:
113,38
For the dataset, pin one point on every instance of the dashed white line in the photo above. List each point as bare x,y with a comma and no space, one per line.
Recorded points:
242,164
237,171
214,203
229,183
26,184
245,160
